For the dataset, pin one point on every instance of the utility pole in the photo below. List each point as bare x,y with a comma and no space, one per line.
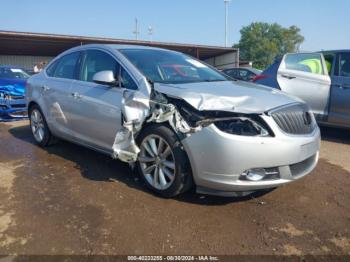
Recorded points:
226,21
136,32
150,33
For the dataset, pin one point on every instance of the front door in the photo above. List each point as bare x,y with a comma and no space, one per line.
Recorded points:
97,108
305,75
340,93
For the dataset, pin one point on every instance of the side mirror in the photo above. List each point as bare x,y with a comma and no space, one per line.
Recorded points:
105,78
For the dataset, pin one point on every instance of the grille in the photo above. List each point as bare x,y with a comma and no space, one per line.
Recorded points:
17,97
18,105
295,119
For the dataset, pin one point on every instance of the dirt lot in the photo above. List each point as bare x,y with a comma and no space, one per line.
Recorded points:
71,200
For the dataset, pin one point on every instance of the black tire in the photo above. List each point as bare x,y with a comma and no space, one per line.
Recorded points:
183,176
47,136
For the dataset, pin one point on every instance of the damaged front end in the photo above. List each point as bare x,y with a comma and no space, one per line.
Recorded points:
182,117
138,110
12,102
135,110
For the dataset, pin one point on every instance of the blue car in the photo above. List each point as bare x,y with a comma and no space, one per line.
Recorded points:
12,92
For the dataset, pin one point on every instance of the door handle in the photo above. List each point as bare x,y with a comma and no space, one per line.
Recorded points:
289,77
76,95
45,88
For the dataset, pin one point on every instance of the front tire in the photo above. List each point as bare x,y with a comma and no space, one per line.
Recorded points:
163,165
38,126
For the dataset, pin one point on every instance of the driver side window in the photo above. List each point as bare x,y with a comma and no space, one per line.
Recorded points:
96,61
344,64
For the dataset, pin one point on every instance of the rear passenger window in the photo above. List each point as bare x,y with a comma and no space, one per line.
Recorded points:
232,73
309,63
66,66
50,71
228,72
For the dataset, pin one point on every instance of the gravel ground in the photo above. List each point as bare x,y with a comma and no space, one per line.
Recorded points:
66,199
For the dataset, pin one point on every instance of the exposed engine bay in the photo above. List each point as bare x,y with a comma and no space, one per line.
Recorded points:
181,116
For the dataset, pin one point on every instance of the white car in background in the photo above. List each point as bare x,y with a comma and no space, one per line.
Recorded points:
322,80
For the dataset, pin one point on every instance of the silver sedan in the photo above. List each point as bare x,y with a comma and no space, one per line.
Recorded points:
177,121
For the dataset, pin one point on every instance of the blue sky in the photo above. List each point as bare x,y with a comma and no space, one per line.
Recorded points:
324,23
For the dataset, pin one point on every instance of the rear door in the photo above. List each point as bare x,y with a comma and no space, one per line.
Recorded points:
55,92
340,93
305,75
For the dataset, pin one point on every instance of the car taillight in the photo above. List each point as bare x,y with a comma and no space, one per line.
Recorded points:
259,77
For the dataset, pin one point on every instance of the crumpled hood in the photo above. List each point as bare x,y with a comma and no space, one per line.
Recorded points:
13,90
231,96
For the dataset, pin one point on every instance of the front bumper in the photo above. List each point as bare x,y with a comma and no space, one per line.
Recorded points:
13,108
219,159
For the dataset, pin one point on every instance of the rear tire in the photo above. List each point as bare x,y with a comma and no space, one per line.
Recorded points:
39,127
163,165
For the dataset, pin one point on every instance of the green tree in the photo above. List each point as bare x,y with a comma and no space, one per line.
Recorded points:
262,42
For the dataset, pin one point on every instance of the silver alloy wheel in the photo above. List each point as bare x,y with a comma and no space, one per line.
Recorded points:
157,162
37,125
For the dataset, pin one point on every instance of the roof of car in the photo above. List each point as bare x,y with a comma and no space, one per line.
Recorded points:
113,47
118,47
336,51
242,67
10,66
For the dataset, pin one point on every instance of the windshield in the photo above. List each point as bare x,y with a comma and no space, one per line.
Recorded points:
13,73
170,67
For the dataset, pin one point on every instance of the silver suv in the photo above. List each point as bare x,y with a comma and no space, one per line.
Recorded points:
178,121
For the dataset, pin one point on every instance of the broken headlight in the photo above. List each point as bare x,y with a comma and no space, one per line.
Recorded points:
3,99
242,126
232,123
5,96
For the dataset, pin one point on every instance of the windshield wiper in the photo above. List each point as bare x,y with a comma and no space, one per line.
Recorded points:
213,80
